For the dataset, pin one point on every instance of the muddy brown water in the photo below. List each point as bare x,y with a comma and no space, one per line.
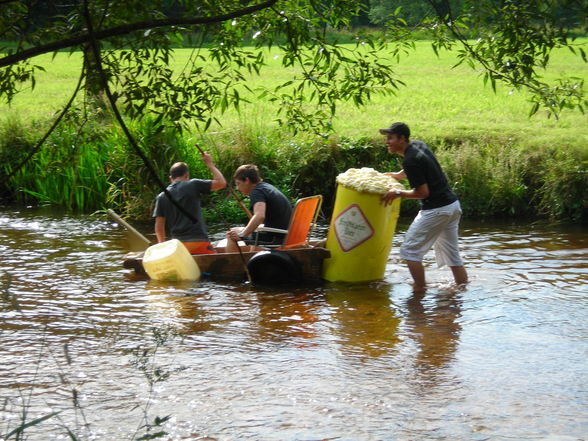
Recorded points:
506,359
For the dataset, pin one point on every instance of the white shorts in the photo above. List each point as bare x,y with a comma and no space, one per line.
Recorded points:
437,227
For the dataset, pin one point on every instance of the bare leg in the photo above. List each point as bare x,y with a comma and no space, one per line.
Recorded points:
417,271
232,246
459,274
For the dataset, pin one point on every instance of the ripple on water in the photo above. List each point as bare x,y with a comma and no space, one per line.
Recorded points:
504,359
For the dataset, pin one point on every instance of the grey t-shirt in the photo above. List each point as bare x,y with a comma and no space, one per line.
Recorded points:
188,195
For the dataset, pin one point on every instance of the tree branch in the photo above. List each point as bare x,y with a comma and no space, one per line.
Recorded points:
127,29
474,54
98,62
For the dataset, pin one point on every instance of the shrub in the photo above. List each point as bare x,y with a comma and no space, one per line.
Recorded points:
90,165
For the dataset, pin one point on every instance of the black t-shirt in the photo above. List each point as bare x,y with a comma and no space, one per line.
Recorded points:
277,209
188,195
421,167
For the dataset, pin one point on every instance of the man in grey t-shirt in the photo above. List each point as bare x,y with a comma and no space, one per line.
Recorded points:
187,193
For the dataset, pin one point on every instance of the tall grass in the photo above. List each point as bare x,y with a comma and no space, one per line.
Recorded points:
68,171
93,167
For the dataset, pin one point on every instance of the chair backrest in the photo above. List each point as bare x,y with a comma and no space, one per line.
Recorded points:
303,218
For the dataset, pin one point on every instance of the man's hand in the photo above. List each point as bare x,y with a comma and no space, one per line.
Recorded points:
207,159
234,234
218,180
388,198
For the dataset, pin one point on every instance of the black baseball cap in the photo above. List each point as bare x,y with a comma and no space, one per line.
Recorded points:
398,128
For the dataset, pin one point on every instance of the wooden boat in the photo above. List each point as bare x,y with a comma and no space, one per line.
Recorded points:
301,264
296,260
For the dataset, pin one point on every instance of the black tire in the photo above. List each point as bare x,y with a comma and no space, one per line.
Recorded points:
274,268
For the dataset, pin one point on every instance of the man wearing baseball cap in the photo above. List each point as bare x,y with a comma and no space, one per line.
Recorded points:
436,224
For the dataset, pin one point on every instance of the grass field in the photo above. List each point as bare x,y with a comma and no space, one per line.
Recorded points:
437,101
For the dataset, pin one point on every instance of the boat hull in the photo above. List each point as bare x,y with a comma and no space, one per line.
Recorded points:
231,266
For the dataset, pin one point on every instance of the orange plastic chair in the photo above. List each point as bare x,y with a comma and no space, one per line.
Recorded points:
303,219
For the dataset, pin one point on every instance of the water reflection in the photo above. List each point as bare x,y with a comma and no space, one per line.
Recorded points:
363,318
177,305
433,322
9,301
287,317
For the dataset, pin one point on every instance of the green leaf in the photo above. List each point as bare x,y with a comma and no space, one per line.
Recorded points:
149,436
24,426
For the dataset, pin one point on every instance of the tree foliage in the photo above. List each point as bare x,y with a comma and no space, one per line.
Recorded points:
512,43
136,45
508,41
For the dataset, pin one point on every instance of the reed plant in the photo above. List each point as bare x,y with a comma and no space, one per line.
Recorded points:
68,171
143,357
561,179
131,185
91,168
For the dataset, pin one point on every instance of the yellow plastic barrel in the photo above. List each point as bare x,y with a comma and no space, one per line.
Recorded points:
360,236
170,260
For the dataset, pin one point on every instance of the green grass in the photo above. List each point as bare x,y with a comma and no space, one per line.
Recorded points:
500,161
438,101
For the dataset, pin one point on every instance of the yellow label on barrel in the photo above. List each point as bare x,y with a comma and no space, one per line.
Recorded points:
352,228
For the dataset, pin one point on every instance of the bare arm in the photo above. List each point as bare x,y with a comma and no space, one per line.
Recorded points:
398,175
420,192
256,220
160,228
218,180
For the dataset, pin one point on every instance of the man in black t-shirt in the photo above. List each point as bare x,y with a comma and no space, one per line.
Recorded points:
438,220
187,193
268,205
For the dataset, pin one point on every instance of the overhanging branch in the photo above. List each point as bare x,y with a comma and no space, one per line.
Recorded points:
98,62
127,29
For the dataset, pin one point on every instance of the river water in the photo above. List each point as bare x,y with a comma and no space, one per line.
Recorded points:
505,359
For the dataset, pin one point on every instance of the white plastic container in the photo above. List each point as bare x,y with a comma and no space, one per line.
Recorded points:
170,260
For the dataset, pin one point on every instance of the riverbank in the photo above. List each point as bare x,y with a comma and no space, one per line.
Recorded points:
94,168
500,162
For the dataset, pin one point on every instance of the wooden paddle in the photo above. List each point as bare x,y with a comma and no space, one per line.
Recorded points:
143,242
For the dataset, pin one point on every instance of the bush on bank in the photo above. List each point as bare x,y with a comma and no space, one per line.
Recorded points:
87,164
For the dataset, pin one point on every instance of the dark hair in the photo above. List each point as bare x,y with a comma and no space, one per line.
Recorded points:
247,171
178,169
398,128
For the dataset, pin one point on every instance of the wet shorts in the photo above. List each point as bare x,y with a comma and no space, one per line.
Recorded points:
436,227
200,247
